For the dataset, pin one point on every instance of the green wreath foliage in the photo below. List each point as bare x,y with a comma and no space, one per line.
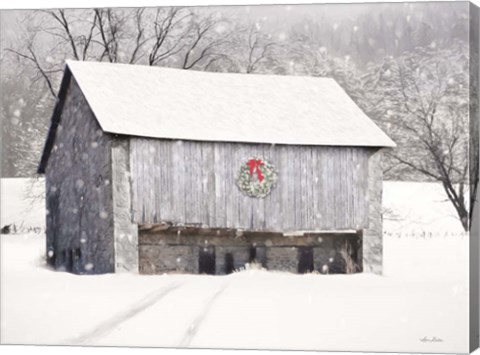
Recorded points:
250,184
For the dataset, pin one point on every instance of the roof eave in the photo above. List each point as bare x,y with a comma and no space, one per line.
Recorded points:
55,120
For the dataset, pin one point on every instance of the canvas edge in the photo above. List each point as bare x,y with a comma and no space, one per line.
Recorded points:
474,245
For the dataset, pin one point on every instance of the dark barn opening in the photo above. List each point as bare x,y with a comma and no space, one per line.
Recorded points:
69,262
261,256
346,259
229,264
62,259
305,260
258,254
253,254
206,260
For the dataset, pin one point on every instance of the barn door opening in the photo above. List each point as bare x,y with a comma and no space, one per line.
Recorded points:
69,261
258,254
229,263
305,260
206,260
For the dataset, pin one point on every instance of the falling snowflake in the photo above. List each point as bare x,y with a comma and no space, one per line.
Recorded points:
220,29
79,183
89,266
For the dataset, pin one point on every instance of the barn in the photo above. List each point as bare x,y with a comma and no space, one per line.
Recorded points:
159,170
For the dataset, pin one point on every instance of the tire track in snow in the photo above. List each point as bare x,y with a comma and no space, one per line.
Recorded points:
109,325
193,328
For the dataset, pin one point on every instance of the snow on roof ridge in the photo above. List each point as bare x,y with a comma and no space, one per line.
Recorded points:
158,102
69,62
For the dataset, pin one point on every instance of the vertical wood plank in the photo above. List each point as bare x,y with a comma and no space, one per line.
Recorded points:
194,182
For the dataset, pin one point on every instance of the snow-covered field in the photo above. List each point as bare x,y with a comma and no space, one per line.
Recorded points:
423,295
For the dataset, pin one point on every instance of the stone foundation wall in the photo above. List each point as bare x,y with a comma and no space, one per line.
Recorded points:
282,258
177,251
125,231
168,259
373,235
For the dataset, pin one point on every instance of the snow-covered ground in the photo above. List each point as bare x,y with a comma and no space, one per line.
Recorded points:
422,296
21,203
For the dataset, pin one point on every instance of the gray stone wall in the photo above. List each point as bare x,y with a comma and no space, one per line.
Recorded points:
372,251
79,192
171,259
125,232
282,258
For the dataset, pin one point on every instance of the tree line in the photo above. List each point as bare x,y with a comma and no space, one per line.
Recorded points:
405,65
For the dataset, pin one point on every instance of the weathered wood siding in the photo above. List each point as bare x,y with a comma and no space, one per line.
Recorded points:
189,182
79,191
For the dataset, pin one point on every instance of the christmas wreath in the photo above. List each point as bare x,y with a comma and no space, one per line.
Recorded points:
256,177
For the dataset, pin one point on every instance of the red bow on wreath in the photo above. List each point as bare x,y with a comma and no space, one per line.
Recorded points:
255,165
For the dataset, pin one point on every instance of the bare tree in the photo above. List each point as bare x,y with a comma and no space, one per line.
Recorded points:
166,41
132,36
260,47
42,71
422,101
206,35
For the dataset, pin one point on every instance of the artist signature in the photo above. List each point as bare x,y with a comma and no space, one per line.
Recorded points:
431,340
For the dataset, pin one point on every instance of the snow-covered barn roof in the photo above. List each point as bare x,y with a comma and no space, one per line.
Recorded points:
169,103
